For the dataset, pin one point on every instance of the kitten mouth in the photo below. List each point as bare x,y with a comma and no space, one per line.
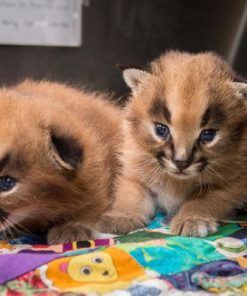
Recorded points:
182,175
186,174
179,174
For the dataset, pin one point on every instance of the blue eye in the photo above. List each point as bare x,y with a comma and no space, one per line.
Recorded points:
162,130
207,135
7,183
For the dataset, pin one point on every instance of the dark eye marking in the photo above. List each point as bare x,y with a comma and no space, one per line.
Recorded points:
159,108
238,130
4,161
214,114
203,163
167,114
159,156
205,118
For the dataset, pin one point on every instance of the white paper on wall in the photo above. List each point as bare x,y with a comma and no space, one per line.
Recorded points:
41,22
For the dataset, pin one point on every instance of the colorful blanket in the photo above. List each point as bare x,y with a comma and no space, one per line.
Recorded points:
145,262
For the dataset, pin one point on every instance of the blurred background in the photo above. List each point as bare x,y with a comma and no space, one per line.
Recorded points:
131,32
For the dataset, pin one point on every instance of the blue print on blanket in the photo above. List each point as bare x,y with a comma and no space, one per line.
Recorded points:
178,255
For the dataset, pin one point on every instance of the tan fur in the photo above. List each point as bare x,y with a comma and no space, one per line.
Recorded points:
50,192
187,84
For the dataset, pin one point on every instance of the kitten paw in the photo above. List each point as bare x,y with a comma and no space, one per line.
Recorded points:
193,226
61,234
119,224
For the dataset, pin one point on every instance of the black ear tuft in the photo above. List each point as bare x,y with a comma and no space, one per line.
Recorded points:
68,149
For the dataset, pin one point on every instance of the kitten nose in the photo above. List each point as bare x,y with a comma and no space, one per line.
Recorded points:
181,164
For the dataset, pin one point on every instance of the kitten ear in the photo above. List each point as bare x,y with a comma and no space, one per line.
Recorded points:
66,151
240,89
134,77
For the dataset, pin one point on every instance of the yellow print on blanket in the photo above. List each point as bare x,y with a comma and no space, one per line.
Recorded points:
98,272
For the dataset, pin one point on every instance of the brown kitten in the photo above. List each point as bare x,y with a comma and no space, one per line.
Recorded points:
185,148
58,159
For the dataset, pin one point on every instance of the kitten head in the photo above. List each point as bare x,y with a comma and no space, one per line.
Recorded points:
186,113
49,161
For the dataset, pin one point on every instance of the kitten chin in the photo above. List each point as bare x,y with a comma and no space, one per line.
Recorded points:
186,142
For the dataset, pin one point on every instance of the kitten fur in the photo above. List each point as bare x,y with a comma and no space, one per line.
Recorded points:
196,183
60,144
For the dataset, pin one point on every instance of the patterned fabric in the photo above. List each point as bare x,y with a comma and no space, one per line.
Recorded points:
145,262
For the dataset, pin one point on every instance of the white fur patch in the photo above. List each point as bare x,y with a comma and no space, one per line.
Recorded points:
6,193
166,201
215,140
149,207
202,229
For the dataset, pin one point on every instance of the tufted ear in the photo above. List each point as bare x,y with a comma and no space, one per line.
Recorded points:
134,77
66,151
240,89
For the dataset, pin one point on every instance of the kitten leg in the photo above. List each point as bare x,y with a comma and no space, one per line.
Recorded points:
199,217
68,232
132,208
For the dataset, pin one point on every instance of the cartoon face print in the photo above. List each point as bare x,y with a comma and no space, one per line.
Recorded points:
98,272
92,267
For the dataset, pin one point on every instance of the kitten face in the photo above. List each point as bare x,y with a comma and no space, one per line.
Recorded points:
51,157
34,178
185,141
186,113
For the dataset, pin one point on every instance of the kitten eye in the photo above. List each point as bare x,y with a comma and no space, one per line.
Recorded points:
7,183
162,130
207,135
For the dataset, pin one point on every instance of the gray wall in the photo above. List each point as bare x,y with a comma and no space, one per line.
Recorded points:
130,32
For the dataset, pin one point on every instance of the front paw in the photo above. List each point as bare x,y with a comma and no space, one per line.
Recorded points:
119,224
67,233
193,226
